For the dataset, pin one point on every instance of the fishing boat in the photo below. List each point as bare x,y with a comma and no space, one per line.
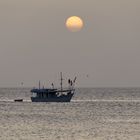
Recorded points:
54,94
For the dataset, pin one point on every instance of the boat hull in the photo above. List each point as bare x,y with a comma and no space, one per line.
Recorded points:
66,98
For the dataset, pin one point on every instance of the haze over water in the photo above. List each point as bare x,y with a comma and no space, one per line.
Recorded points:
93,114
36,45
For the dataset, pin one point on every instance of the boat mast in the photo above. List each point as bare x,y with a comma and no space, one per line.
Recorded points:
61,81
39,84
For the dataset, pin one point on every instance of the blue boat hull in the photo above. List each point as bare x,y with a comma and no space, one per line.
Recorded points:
65,98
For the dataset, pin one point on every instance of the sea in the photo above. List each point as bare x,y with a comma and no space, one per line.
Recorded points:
93,114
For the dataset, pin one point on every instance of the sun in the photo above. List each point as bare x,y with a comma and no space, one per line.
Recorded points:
74,23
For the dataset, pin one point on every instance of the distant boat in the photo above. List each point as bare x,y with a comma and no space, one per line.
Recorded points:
18,100
54,94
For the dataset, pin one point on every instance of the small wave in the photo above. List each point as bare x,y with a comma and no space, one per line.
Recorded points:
14,101
105,100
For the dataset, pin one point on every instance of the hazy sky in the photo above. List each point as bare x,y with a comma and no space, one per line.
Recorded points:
35,44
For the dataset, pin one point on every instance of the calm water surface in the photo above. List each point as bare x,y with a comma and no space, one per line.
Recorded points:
93,114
